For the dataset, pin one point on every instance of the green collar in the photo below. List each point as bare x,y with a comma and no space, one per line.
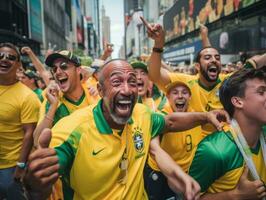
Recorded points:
101,123
77,103
210,88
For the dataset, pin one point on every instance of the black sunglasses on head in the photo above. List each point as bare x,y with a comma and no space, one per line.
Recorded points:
4,55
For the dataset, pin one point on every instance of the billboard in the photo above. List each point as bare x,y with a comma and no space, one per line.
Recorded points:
35,11
187,15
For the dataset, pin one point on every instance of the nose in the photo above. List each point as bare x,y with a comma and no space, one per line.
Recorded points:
179,95
126,90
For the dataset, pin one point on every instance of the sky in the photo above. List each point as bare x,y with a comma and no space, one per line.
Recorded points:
114,9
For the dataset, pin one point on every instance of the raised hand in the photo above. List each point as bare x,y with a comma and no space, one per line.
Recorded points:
52,93
26,50
155,32
43,168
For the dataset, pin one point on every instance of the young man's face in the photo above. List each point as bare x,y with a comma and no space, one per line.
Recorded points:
26,80
178,98
66,74
143,82
119,90
9,61
254,101
210,64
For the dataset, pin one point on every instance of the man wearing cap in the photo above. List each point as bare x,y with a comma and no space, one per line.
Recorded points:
19,108
101,150
65,95
155,101
180,146
29,78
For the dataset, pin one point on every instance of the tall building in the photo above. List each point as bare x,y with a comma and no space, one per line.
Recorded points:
93,27
14,24
106,23
55,24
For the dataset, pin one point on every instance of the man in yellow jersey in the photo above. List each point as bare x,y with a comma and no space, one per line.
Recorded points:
66,94
101,150
205,85
19,108
155,102
231,164
180,146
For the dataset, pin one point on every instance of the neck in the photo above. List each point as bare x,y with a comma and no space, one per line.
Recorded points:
205,83
75,94
5,80
250,128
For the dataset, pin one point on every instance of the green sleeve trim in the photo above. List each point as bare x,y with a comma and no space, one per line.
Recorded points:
162,103
158,124
66,154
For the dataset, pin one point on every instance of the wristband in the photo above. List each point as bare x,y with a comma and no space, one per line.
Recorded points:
157,50
21,165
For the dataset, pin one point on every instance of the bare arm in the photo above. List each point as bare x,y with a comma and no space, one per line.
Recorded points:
258,61
107,52
26,147
183,121
180,181
47,122
204,36
156,74
245,189
37,64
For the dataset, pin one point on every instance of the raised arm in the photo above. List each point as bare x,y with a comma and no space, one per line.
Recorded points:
204,36
108,50
47,120
37,64
156,74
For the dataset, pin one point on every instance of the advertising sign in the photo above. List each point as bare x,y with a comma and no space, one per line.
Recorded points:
36,20
187,15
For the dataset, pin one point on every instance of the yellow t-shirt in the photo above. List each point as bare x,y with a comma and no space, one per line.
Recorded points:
90,153
180,146
18,105
202,99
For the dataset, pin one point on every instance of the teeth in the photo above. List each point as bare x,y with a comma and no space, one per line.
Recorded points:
124,102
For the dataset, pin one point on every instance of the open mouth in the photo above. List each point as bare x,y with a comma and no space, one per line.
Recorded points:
123,107
180,105
62,81
140,84
5,65
213,71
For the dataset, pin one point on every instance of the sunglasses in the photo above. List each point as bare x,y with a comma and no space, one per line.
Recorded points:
8,56
63,66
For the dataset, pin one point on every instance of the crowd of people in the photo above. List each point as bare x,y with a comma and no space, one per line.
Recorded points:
132,130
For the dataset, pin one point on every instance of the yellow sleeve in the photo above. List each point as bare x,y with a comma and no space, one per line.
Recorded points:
30,109
184,78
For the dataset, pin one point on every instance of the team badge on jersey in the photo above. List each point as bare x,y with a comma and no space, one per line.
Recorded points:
138,141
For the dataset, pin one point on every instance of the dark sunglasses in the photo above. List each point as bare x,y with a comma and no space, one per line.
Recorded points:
8,56
63,66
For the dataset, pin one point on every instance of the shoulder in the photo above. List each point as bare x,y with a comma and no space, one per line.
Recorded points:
74,120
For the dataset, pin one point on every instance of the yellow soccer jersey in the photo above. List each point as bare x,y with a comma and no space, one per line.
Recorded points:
66,106
202,99
180,146
90,153
19,105
218,164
